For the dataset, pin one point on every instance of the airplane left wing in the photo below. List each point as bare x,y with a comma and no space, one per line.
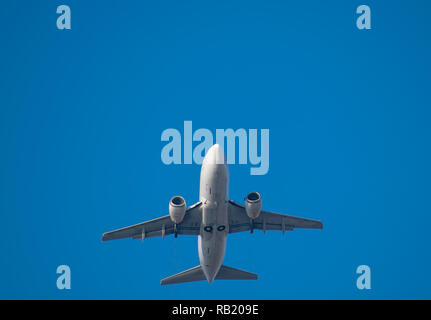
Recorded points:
239,221
162,226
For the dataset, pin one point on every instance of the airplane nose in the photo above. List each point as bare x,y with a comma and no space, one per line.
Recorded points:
215,155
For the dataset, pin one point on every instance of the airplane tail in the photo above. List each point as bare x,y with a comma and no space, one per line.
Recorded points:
190,275
229,273
197,274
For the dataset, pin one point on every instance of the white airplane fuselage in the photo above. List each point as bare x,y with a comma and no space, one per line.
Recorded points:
213,194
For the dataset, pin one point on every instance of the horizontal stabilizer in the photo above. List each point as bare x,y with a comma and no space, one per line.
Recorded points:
190,275
229,273
197,274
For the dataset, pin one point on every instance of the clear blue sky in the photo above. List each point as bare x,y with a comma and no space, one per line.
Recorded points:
82,111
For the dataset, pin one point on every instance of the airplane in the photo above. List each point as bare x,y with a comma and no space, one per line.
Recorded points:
212,218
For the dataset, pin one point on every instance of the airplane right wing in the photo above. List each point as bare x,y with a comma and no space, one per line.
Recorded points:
239,221
162,226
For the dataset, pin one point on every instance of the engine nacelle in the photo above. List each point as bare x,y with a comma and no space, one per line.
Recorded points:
177,209
253,205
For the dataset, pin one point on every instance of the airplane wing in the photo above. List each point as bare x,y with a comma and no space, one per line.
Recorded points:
239,221
162,226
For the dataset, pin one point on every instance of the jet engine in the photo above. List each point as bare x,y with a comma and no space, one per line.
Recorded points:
253,205
177,209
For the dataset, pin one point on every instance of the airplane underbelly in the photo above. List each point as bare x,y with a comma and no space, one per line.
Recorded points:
211,253
213,194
